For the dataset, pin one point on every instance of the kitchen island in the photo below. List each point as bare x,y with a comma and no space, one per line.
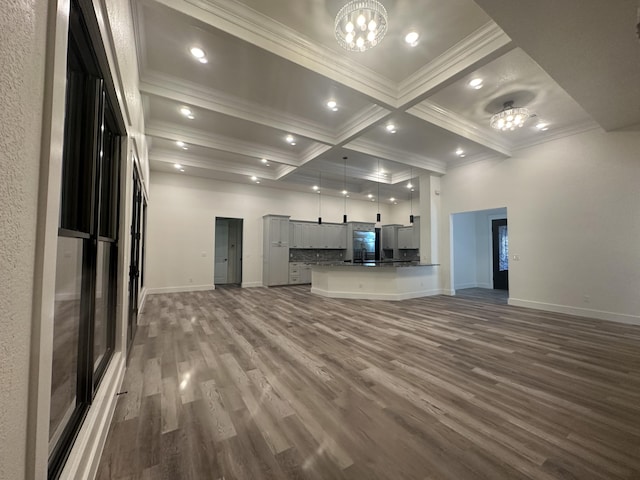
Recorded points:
375,280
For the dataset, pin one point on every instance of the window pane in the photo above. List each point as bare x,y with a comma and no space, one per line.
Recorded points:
65,334
103,310
503,244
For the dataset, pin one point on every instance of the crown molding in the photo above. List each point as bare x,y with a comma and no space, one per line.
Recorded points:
165,86
214,164
544,137
362,121
199,138
312,152
379,151
260,30
483,45
454,123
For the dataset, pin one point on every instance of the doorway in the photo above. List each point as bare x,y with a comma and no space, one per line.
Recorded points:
500,252
228,251
472,258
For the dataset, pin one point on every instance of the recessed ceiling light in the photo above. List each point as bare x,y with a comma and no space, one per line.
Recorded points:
395,203
344,192
178,166
409,185
182,169
459,151
293,144
391,128
413,189
476,83
203,60
180,143
315,187
370,195
412,38
290,140
197,52
254,178
186,112
542,126
392,199
264,160
332,104
373,199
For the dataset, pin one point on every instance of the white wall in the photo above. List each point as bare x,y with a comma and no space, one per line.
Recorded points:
574,220
181,224
22,83
464,251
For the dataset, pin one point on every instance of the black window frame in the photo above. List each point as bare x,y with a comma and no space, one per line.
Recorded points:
90,202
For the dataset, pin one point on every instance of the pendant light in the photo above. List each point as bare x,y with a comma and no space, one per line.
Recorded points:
320,198
378,215
344,191
411,198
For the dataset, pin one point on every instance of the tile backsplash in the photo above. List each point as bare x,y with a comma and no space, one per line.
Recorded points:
312,255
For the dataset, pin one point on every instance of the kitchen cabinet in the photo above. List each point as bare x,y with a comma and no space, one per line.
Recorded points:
296,234
335,236
405,237
409,237
275,258
311,235
390,236
299,273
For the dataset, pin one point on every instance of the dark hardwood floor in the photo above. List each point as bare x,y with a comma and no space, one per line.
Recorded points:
281,384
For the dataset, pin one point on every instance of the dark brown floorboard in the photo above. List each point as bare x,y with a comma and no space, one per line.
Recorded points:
280,384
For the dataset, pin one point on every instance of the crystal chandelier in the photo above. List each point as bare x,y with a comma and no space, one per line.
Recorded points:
509,118
361,24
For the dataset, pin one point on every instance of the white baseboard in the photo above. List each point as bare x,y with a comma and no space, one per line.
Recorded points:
466,285
577,311
251,284
376,296
485,285
84,458
447,292
185,288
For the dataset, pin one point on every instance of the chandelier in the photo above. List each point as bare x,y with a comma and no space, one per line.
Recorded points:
509,118
361,24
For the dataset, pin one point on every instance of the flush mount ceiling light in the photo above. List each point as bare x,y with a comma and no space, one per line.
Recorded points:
391,128
199,54
186,111
361,25
332,105
412,38
476,83
290,140
510,117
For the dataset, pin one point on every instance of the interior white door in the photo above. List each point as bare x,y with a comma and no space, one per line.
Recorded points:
221,262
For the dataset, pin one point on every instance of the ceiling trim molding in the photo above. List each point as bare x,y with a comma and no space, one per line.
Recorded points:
454,123
313,152
558,134
260,30
196,161
379,151
174,132
164,86
362,121
483,45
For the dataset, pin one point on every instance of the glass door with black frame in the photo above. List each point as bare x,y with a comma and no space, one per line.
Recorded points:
500,239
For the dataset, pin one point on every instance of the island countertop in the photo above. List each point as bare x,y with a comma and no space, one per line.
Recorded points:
382,264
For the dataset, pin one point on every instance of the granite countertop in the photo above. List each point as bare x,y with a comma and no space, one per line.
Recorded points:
384,264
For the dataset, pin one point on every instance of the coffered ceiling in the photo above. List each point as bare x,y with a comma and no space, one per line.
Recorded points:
259,104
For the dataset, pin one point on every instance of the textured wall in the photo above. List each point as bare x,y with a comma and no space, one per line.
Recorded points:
22,47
